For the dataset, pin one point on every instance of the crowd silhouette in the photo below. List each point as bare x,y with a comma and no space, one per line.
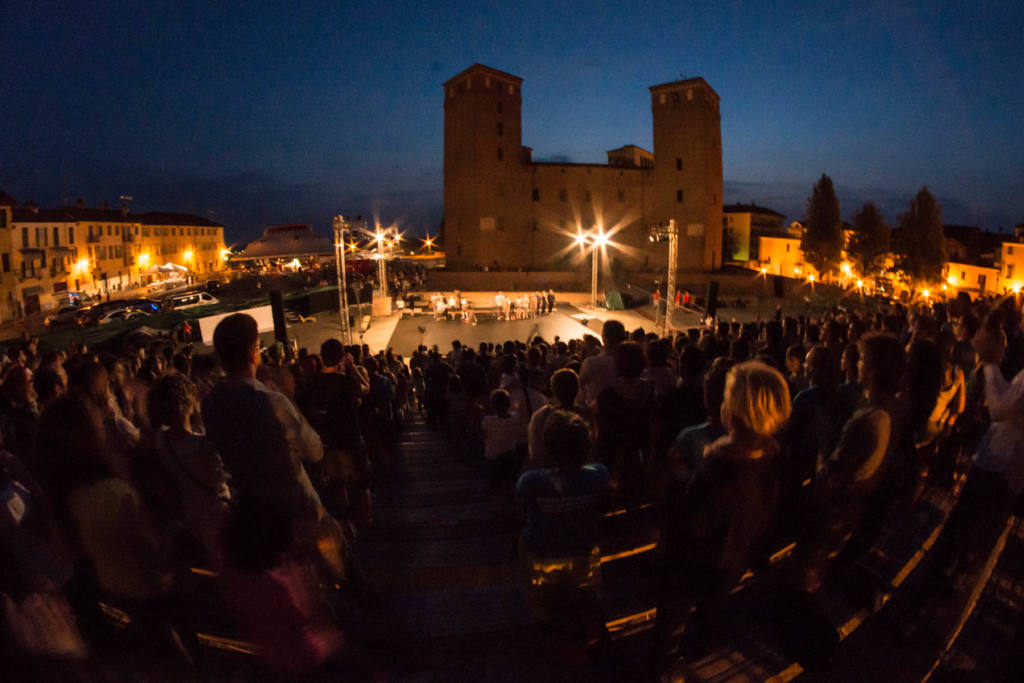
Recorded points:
123,473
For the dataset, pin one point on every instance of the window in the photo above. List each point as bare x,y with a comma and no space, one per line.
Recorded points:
501,128
586,195
117,229
679,196
536,195
6,261
679,164
981,279
661,98
108,229
56,236
622,196
787,247
675,98
1009,250
963,275
562,196
501,154
499,107
71,234
1009,270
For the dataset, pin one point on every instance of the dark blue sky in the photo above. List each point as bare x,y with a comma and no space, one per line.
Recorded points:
270,112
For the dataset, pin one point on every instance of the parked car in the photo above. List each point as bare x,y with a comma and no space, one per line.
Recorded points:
65,315
120,315
91,316
191,299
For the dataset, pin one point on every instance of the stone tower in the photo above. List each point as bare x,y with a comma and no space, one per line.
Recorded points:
484,173
687,183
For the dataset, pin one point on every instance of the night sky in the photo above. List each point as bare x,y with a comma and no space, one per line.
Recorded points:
269,112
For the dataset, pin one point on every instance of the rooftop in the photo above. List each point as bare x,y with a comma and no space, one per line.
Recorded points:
750,208
487,70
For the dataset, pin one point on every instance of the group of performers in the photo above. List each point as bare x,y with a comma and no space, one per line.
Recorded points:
525,305
456,306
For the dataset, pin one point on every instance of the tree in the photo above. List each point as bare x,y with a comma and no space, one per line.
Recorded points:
870,241
922,243
822,243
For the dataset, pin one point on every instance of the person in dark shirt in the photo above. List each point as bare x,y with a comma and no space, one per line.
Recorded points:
333,410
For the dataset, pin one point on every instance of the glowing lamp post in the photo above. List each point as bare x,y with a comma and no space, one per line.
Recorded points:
339,262
596,240
382,278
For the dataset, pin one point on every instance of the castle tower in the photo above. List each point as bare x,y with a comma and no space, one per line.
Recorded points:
484,173
687,184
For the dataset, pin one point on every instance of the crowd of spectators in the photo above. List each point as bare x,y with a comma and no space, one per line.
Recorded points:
120,472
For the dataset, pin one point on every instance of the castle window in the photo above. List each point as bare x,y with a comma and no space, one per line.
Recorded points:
689,94
487,81
661,98
679,164
679,196
536,195
499,107
501,154
675,98
501,128
586,195
511,90
562,196
622,196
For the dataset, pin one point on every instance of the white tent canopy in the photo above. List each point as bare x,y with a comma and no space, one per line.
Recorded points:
166,268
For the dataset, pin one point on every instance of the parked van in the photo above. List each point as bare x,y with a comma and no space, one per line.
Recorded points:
192,299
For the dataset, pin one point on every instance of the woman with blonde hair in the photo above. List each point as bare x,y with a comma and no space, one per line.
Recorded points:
713,529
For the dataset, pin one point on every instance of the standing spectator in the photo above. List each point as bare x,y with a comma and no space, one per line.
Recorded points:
190,459
712,531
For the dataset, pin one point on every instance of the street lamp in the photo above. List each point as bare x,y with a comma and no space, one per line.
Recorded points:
668,231
382,278
339,262
596,240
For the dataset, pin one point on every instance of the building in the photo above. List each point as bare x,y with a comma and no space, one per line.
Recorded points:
48,254
502,208
743,224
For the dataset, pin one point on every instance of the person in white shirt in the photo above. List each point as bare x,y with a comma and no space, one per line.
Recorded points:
503,433
598,372
499,303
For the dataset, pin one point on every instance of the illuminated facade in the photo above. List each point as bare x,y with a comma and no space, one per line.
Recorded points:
743,224
503,209
49,253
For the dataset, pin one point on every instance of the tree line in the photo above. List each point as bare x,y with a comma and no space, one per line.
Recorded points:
920,250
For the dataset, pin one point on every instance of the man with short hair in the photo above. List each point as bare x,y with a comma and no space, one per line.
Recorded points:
262,438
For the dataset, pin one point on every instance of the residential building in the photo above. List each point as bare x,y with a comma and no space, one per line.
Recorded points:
46,255
743,224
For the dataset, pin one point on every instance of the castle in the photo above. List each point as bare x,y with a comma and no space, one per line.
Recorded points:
503,209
